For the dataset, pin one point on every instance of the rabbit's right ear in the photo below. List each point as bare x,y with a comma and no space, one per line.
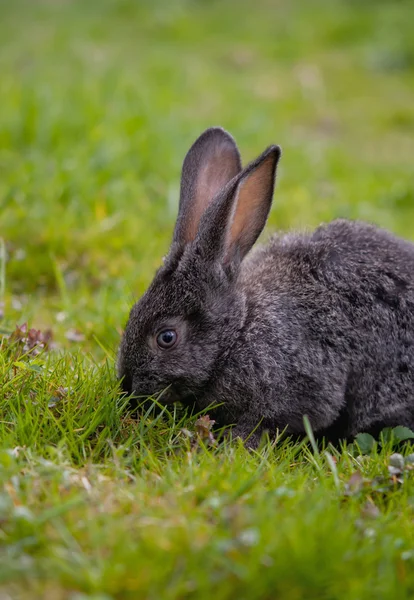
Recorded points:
212,161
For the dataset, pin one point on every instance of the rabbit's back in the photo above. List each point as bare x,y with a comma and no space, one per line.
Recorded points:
332,250
338,307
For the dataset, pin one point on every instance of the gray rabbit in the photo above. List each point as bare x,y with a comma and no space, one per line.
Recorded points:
318,324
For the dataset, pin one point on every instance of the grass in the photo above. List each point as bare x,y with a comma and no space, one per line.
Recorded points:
99,102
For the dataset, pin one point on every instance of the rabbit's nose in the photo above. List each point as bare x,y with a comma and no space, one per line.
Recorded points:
126,383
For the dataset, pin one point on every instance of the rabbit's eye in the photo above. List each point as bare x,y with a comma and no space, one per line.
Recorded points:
167,338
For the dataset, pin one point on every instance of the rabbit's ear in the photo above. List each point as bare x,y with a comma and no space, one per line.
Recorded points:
212,161
238,215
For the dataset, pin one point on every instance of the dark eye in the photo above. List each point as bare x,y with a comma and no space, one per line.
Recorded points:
167,338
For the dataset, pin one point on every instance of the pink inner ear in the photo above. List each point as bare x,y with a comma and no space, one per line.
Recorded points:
252,206
219,166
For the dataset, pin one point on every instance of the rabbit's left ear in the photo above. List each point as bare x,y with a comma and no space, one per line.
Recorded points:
212,161
234,221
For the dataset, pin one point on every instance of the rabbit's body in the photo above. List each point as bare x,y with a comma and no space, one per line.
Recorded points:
336,307
318,324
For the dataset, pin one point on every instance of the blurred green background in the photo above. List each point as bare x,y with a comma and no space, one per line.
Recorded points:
100,100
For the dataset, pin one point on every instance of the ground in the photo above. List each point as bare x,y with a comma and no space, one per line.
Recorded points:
99,102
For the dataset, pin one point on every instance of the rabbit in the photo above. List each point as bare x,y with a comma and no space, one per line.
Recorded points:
318,324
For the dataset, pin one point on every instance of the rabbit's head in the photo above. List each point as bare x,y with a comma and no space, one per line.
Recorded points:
180,331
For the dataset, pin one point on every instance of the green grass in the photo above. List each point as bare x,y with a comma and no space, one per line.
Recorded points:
99,102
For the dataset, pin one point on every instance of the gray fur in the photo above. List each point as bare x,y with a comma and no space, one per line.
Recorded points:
318,324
